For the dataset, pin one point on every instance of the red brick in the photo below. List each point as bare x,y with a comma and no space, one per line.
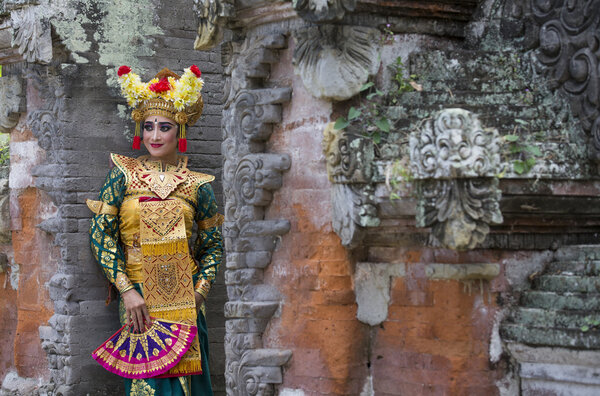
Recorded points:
335,282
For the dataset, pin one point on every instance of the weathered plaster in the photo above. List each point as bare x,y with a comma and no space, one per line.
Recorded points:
291,392
372,287
68,18
485,271
13,385
372,282
124,35
519,268
496,347
11,102
24,156
14,275
368,387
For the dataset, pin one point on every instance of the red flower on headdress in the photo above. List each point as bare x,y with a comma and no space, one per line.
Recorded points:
161,86
123,70
195,70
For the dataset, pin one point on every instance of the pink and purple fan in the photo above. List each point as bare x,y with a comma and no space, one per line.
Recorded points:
148,354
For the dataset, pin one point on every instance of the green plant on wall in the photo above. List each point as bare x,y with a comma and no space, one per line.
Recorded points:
590,323
370,116
4,149
521,151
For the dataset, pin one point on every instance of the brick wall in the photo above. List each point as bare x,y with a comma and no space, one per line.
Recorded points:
310,266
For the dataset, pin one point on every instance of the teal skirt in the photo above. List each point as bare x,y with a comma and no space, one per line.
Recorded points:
191,385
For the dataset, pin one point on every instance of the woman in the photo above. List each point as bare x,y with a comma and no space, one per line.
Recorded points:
144,220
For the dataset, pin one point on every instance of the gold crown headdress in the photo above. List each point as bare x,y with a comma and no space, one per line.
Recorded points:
167,94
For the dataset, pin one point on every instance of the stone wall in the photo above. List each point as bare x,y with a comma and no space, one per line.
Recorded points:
75,118
439,220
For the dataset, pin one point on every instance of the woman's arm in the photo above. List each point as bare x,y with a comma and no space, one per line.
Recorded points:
104,241
104,230
208,248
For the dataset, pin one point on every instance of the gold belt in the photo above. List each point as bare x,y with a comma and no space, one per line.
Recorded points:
133,266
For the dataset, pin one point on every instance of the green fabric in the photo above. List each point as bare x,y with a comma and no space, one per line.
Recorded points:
208,247
198,385
104,230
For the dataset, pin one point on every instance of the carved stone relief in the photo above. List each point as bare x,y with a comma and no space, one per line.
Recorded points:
12,100
564,36
349,160
249,177
335,61
455,162
44,122
323,10
212,15
31,34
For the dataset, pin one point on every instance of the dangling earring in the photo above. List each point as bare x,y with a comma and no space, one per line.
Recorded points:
137,140
181,119
182,139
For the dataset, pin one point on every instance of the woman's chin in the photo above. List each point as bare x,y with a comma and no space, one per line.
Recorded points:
161,153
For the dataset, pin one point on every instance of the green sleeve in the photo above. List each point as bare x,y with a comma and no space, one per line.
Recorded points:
208,247
104,232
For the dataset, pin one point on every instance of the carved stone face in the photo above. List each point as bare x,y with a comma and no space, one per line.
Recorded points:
455,145
160,138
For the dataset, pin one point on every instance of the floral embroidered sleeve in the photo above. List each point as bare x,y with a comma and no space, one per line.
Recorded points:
104,231
208,248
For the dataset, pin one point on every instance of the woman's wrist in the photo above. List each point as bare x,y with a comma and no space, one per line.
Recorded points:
203,287
123,283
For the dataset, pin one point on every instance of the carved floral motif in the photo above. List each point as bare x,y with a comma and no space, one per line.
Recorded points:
334,61
455,162
349,162
249,177
211,17
564,35
346,156
11,102
31,34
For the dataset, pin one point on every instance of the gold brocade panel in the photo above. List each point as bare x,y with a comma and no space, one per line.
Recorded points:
162,227
168,286
167,271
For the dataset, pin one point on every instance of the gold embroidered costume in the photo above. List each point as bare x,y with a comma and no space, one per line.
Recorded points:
140,234
143,223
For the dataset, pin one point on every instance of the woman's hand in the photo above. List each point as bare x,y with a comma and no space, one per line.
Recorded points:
135,308
199,301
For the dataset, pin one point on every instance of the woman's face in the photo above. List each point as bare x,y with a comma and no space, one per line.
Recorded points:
160,137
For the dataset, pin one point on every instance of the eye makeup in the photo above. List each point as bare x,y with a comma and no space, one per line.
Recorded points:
162,126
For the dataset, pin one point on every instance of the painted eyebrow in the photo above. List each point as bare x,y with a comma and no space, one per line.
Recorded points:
160,123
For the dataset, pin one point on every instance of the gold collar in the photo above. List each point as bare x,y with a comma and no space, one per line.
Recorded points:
161,181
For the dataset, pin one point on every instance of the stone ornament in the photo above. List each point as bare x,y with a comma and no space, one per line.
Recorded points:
212,15
318,11
250,176
347,158
459,211
12,100
334,61
564,36
45,122
349,170
455,162
454,145
31,34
